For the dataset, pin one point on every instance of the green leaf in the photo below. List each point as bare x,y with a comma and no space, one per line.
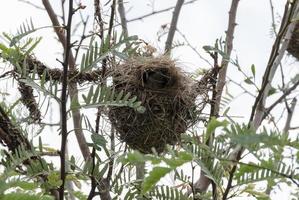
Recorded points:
96,94
99,140
205,169
272,91
141,109
134,157
213,124
33,46
154,176
54,179
182,158
89,96
72,163
253,70
249,81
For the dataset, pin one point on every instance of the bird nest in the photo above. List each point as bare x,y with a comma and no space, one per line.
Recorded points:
166,93
293,47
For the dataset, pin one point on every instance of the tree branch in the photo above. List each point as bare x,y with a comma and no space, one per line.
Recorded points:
277,53
279,47
64,97
203,183
173,25
281,98
123,19
72,87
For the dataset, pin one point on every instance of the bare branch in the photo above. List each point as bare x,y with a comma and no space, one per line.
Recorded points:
156,12
173,25
203,183
123,19
281,98
228,49
64,97
290,116
279,47
72,88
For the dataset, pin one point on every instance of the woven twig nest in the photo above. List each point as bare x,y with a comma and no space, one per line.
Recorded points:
166,93
293,47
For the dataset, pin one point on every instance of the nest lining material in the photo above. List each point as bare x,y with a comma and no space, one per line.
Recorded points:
293,47
165,91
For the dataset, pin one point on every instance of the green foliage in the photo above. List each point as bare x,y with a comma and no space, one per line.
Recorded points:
154,176
25,196
96,54
18,46
106,96
254,173
177,159
168,193
212,125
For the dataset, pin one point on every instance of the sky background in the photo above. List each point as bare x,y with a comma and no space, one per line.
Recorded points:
201,22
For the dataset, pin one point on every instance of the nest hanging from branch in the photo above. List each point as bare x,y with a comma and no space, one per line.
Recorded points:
169,98
293,47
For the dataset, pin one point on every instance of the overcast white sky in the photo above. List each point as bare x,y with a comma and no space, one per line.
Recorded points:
202,23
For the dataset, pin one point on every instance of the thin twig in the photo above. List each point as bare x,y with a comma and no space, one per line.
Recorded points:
64,96
32,4
98,17
73,88
285,131
193,48
156,12
173,25
281,98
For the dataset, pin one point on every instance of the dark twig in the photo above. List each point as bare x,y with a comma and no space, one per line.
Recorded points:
93,186
173,25
276,55
280,99
64,96
73,88
98,17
